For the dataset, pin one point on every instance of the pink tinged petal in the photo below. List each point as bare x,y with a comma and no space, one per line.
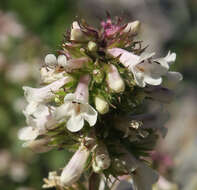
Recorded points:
76,63
144,177
75,123
89,114
75,25
114,80
28,133
75,167
45,93
82,92
126,58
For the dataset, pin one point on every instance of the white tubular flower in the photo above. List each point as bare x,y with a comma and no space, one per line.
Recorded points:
101,159
50,60
50,75
114,79
144,177
101,105
39,121
132,27
75,167
172,79
144,69
41,118
45,93
77,34
76,108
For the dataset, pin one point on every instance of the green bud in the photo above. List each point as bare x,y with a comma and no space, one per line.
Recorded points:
101,105
98,76
92,46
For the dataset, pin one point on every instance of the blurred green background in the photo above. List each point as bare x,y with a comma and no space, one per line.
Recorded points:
29,29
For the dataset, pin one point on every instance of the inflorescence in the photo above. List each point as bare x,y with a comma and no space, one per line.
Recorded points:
92,103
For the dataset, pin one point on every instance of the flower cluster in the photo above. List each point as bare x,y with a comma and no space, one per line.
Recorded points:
93,103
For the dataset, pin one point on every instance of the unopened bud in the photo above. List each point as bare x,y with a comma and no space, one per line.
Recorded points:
101,159
50,60
73,170
133,27
62,60
77,34
101,105
114,80
92,46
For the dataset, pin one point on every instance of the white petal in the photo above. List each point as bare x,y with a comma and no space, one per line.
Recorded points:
75,123
89,114
171,57
28,133
30,108
144,177
50,75
50,59
42,118
139,78
44,93
64,111
62,60
152,69
152,81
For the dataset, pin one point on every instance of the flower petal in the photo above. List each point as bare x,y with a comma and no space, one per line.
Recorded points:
139,78
45,93
152,81
89,114
75,123
28,133
64,111
75,167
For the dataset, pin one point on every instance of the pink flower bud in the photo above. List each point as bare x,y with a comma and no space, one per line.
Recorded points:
82,92
73,170
114,80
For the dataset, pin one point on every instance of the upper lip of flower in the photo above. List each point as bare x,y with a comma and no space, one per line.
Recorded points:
145,69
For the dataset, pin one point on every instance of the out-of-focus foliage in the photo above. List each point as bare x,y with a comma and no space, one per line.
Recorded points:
47,18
